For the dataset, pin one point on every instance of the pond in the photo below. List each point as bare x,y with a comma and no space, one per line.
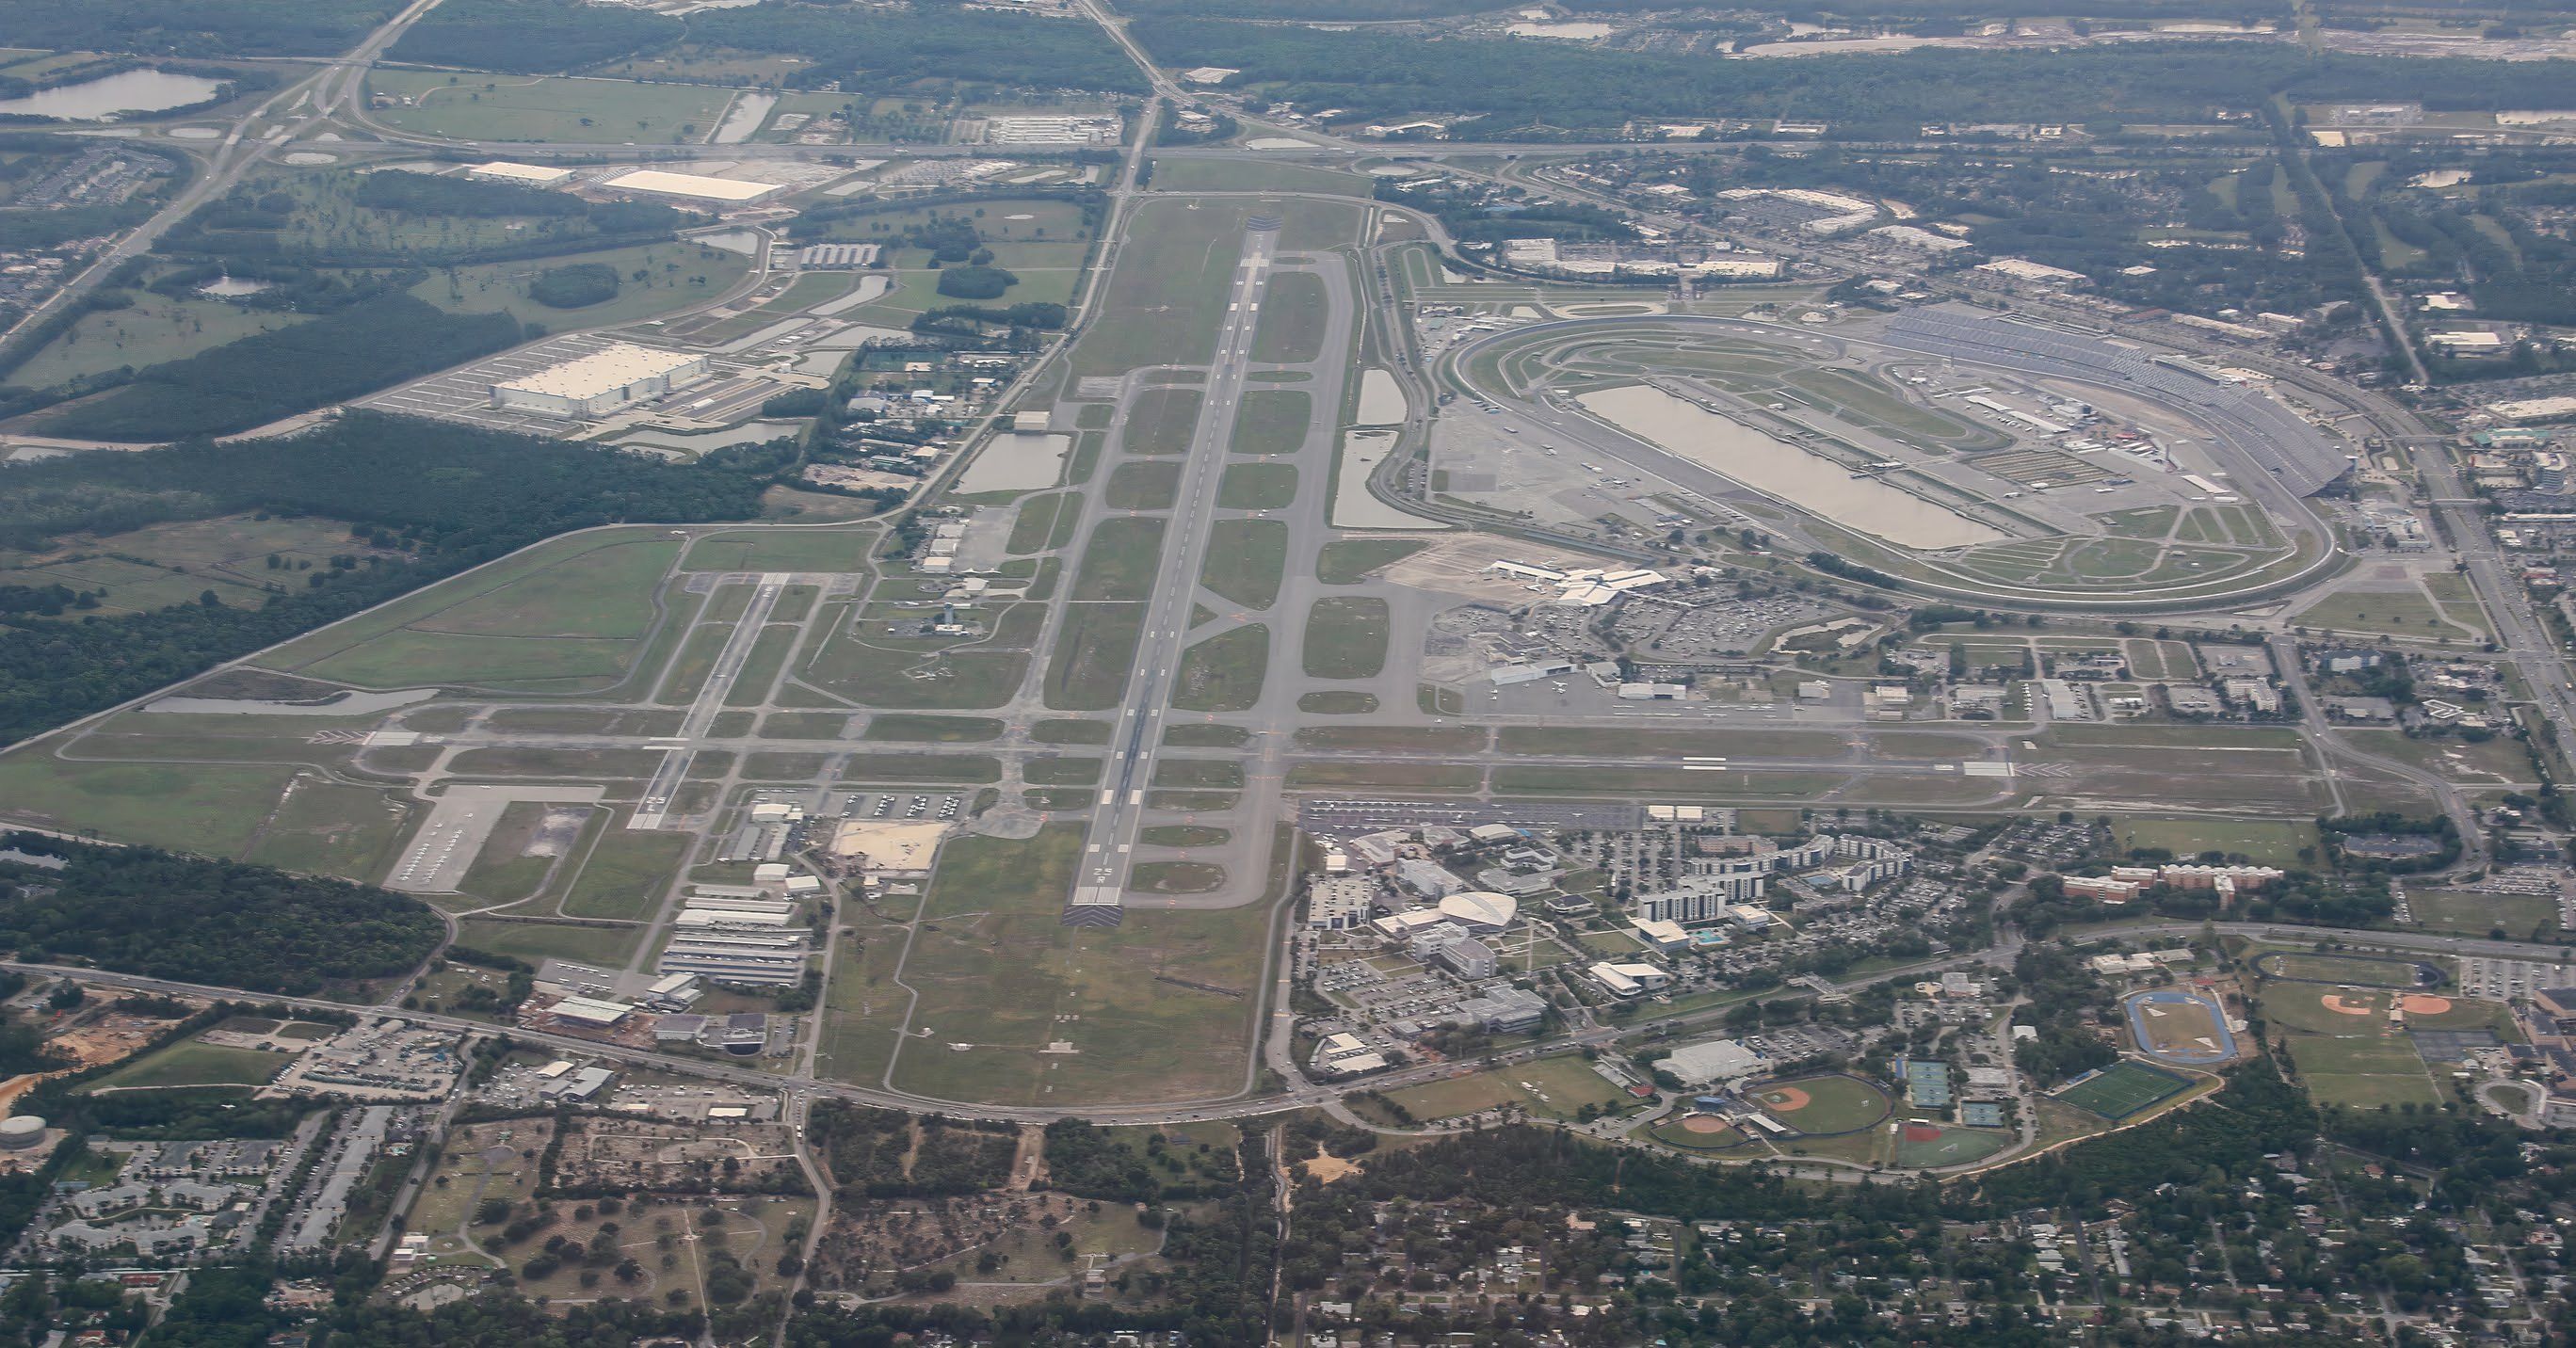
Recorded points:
107,97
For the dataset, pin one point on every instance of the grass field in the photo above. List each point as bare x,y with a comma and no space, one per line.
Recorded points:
537,942
1224,672
1672,1132
2521,916
1338,703
159,565
1823,1105
1927,1145
325,828
675,275
843,549
1295,315
2123,1089
2406,613
2363,1072
210,808
189,1063
1346,638
1160,421
626,875
1246,560
1556,1088
1143,484
573,611
1257,486
1165,299
1272,421
1121,559
510,107
1348,561
153,329
913,728
1093,654
2275,842
1139,1035
2350,970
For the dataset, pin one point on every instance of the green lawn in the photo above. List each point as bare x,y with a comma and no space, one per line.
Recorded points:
1246,560
565,108
151,330
189,1063
1348,561
675,275
1346,638
1135,1033
933,729
1295,315
587,599
1224,672
2274,842
1143,484
1257,486
627,874
1121,559
210,808
1556,1088
1095,649
1272,421
842,549
1167,296
1160,421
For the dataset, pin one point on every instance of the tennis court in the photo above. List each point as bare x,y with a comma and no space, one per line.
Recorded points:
2123,1089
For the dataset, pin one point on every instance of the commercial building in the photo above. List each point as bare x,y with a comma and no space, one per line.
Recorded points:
1340,903
601,382
589,1011
1711,1062
762,958
1480,911
692,187
1624,980
1502,1011
581,1085
525,175
1467,957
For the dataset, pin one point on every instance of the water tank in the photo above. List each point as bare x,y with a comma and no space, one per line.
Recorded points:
19,1132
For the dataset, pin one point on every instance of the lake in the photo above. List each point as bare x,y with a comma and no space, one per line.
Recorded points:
101,99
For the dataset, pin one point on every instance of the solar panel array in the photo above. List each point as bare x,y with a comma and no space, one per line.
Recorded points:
2269,435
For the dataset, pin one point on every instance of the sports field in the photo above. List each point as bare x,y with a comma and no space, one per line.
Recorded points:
2179,1027
1823,1106
2123,1089
2360,971
1927,1144
1698,1132
1549,1088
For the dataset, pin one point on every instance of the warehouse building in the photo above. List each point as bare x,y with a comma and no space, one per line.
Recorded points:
692,187
525,175
601,382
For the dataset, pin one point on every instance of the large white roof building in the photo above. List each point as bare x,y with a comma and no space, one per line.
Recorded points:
601,382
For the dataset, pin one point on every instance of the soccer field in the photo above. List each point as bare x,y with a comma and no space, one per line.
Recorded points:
2123,1089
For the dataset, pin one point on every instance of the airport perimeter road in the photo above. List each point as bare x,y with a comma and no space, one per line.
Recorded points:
682,749
1249,1104
1134,743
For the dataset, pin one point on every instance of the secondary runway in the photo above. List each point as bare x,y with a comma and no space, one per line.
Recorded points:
1098,894
676,758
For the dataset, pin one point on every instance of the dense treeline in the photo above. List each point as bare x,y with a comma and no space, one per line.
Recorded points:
533,36
225,1308
260,223
468,496
270,375
195,920
1504,86
844,43
198,28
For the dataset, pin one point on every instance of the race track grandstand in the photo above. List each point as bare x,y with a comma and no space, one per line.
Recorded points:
2268,435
